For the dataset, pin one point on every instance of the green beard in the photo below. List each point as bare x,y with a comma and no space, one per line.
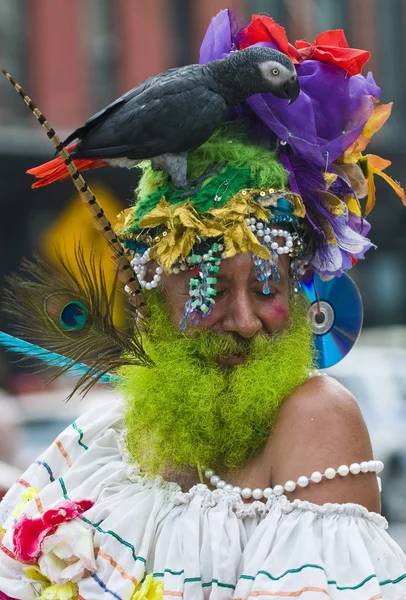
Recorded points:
189,410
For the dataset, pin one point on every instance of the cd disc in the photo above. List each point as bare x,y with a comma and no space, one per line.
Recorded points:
336,316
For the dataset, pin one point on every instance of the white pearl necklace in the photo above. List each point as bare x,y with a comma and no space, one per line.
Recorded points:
372,466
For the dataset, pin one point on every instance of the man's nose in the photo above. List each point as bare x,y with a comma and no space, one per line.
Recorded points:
240,317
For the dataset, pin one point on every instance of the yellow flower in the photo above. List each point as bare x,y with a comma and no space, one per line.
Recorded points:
27,495
371,164
149,590
67,591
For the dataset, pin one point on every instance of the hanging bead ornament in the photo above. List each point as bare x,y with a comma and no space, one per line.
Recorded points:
201,285
139,263
266,269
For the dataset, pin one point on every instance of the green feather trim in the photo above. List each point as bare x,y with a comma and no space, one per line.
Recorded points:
249,165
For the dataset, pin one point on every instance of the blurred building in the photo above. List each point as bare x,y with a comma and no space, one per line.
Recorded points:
74,57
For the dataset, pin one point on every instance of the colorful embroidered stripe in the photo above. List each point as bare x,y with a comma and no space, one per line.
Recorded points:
118,567
64,453
48,468
80,432
8,552
294,594
38,502
23,482
105,588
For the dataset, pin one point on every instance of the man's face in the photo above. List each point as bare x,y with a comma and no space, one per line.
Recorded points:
188,408
241,308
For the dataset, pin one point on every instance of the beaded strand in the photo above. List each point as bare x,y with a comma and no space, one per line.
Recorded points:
372,466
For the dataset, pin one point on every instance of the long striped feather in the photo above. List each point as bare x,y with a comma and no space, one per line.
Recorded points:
52,359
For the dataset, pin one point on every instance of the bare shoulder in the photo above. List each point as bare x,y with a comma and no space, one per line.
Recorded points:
321,426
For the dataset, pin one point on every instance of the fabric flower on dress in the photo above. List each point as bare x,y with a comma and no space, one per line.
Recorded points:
46,590
68,554
30,532
149,590
4,596
27,495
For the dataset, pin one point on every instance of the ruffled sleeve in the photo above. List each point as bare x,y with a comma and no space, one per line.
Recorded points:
334,551
145,539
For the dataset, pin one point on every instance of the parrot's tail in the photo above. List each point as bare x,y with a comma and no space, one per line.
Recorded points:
56,170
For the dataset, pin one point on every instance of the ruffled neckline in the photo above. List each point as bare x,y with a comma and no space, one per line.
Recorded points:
210,498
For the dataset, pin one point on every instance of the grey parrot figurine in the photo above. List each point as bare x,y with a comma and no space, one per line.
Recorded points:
174,112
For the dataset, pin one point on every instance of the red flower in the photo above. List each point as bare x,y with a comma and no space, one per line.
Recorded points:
29,533
330,46
264,29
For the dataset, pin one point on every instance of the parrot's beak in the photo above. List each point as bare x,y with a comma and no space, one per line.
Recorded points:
292,88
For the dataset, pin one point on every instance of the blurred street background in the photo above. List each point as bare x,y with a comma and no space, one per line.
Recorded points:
75,56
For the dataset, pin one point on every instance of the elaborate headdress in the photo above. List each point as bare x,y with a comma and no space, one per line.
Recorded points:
290,179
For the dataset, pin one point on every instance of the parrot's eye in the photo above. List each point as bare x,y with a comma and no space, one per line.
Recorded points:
275,71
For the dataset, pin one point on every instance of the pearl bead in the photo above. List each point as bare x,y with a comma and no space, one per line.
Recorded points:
380,466
228,487
278,490
372,466
183,267
364,467
221,247
253,220
214,480
290,486
260,225
330,473
343,470
280,250
303,481
220,484
205,257
260,233
268,492
267,238
148,285
237,489
274,245
159,270
280,232
316,477
379,484
355,468
246,493
248,221
157,278
274,232
153,284
257,494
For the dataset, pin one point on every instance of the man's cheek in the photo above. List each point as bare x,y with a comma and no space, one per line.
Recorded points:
277,314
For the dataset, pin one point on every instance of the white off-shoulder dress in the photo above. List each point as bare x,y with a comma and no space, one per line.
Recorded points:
201,544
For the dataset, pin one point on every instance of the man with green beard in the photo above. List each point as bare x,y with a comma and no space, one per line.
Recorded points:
230,468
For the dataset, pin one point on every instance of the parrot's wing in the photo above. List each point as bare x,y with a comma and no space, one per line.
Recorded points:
105,112
169,117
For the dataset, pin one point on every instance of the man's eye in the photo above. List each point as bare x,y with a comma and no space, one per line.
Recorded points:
220,294
265,296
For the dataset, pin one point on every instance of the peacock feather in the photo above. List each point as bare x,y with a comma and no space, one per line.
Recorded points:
71,316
